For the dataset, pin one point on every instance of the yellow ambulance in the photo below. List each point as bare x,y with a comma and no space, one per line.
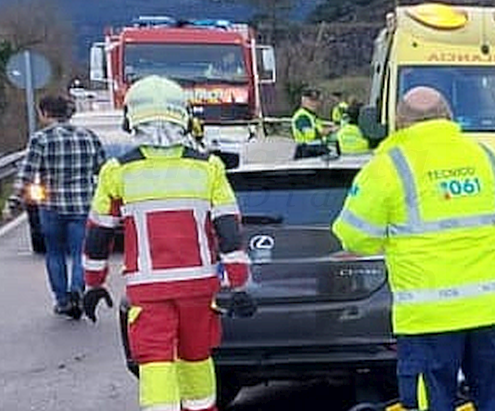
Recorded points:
451,48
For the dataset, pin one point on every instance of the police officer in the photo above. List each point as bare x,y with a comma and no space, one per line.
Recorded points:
339,108
306,126
349,136
177,205
427,201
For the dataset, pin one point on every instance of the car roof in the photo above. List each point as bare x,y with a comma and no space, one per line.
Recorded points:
346,161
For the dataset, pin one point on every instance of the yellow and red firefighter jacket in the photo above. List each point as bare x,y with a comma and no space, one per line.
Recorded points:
179,215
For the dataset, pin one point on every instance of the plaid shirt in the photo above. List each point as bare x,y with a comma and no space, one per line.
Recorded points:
66,159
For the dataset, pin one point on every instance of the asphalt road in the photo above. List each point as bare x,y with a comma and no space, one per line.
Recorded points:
50,363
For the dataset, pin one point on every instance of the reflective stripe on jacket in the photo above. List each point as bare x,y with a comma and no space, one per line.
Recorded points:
306,126
428,203
179,213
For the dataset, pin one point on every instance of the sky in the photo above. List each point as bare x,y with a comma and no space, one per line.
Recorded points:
90,17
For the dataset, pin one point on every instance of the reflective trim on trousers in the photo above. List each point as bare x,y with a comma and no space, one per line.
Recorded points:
163,407
444,294
174,274
362,225
199,404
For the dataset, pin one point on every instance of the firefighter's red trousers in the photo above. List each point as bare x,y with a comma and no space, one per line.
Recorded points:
171,340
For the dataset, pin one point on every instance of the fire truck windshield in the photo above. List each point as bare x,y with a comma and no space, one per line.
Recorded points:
470,91
186,62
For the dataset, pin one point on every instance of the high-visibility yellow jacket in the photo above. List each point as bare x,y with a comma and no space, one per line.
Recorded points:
306,126
338,112
179,214
427,201
351,139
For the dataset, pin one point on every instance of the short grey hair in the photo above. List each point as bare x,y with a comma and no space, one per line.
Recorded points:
421,104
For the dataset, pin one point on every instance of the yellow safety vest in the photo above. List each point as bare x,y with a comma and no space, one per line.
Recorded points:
311,129
351,140
428,203
338,112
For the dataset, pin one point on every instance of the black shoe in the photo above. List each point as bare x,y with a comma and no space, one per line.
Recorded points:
62,309
76,310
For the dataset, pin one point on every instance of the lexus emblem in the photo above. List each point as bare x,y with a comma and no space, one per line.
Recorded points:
261,242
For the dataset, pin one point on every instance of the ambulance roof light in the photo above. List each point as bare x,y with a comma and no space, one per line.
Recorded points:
438,16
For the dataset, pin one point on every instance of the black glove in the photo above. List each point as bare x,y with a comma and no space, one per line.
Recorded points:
91,299
241,304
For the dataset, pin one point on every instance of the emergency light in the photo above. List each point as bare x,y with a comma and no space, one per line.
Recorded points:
144,21
439,16
148,21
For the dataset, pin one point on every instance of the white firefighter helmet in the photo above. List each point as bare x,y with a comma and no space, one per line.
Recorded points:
156,99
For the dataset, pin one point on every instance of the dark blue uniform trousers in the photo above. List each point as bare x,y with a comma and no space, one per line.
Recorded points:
438,359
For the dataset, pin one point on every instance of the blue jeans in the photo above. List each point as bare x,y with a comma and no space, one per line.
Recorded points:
438,358
63,234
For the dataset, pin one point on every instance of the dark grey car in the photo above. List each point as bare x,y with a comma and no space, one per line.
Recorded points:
321,313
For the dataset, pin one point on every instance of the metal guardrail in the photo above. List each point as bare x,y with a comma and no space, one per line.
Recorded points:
9,164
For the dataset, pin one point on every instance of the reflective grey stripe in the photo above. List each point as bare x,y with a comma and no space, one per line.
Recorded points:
362,225
444,294
440,225
201,404
139,212
102,220
414,224
407,178
491,157
172,274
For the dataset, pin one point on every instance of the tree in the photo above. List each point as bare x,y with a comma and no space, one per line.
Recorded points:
37,25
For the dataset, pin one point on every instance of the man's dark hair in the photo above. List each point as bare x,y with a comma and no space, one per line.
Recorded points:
57,106
311,93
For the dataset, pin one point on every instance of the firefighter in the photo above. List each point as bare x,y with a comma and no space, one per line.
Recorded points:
177,205
306,126
349,136
427,202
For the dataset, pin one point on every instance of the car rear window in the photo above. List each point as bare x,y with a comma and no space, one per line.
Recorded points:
296,197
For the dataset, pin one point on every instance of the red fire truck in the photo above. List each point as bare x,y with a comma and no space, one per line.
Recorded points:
220,65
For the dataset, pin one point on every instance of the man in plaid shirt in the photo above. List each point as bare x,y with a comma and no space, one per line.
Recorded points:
65,160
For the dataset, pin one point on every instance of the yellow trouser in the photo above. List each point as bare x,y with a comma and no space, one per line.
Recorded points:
166,386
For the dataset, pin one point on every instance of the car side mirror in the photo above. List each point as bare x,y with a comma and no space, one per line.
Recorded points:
370,125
